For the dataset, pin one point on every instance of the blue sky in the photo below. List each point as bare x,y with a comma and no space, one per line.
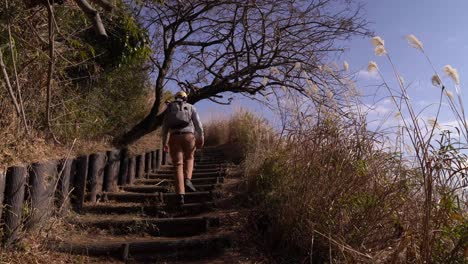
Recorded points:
440,25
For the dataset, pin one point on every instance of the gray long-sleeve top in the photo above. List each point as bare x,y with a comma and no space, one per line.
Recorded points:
195,126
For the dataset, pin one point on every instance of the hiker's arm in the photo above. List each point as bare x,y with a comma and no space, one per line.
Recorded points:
196,123
165,132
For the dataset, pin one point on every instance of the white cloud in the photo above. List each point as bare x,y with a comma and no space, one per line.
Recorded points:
366,75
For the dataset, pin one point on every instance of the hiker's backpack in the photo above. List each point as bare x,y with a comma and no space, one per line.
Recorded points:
178,115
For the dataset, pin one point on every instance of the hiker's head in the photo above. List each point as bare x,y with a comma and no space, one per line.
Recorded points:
181,96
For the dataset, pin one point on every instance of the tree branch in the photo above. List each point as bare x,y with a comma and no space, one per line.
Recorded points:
93,14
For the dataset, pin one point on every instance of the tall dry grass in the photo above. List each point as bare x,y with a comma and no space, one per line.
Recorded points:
329,190
241,131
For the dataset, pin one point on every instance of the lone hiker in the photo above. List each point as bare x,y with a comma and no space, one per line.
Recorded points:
182,122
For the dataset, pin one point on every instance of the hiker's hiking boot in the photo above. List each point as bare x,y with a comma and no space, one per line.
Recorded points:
189,186
180,200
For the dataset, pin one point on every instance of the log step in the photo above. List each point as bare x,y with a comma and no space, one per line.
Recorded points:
169,227
195,197
198,166
135,250
157,198
171,170
166,182
148,210
164,189
194,176
146,189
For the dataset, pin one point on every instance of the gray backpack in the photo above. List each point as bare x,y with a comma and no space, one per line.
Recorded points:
178,115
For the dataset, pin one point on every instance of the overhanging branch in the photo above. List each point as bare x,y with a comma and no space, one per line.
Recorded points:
93,14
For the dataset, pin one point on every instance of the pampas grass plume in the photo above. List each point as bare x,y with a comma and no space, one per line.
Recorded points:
414,42
346,66
436,80
453,73
372,66
377,41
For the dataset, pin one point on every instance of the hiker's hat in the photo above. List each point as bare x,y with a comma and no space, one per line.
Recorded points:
181,94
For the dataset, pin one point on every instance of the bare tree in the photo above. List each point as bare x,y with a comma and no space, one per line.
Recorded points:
210,48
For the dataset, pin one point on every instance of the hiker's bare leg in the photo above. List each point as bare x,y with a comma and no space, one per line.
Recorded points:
177,156
189,155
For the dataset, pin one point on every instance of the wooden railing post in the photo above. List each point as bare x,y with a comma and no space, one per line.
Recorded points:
79,184
164,158
148,162
97,164
158,159
123,172
140,169
42,180
64,170
112,170
2,189
14,199
131,170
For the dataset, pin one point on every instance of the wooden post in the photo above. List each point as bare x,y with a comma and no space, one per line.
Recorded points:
140,168
131,170
97,163
42,179
164,158
65,170
2,189
79,185
153,160
148,162
111,171
14,198
158,159
123,173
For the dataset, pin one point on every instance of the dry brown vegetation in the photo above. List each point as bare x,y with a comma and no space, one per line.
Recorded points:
329,191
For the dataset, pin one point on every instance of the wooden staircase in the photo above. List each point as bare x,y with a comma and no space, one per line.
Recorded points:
141,223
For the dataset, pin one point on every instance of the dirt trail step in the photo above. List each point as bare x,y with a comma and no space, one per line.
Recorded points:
142,223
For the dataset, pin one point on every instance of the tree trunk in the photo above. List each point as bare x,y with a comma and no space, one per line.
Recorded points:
14,198
97,163
63,186
79,185
42,179
150,123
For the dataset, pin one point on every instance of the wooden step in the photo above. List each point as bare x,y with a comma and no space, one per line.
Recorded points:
194,197
165,182
171,170
127,224
145,189
194,176
157,198
164,189
137,250
148,210
199,166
